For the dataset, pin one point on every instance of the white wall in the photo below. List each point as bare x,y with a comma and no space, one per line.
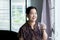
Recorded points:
57,19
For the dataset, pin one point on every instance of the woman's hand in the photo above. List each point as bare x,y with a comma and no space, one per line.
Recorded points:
43,29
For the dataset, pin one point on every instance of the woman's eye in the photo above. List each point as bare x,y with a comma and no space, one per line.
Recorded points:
31,13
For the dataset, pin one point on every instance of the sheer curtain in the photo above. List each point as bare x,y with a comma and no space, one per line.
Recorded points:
48,17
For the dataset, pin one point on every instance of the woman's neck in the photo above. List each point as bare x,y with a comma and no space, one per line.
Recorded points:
31,24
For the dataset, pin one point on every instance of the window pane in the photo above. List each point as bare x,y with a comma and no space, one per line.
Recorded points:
17,14
4,15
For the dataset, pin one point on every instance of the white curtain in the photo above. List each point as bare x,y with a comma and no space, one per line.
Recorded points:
45,18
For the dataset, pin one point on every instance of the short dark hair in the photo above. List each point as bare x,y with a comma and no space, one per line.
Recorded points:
29,8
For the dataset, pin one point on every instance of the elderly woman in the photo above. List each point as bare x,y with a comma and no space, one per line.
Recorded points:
30,30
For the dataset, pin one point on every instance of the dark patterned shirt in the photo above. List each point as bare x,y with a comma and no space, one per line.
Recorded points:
27,33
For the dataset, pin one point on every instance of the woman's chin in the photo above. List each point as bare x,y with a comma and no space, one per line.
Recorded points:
33,20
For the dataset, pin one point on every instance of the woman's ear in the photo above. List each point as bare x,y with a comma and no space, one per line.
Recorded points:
27,17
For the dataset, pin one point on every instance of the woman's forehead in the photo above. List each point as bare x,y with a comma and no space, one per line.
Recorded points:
33,10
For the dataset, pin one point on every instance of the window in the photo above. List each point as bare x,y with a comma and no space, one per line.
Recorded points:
4,15
18,17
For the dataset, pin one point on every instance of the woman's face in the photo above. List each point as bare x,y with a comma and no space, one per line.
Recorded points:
32,15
